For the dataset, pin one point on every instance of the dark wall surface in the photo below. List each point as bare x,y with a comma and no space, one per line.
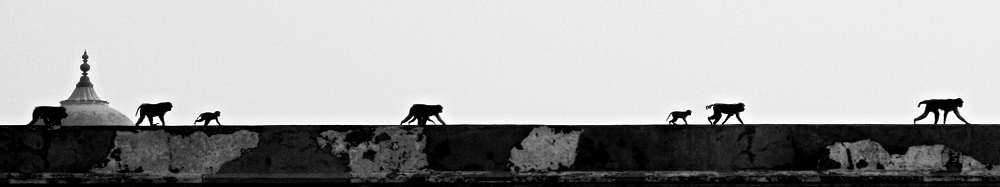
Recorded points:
355,149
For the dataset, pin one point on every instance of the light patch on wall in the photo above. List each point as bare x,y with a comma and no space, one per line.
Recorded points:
159,152
383,155
869,155
545,150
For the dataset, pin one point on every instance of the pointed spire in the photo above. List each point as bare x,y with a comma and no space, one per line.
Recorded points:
85,67
84,92
84,80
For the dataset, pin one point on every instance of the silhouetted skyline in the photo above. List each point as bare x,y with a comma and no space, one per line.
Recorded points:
511,62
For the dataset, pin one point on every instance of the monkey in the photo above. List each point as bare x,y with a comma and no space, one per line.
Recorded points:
208,117
933,105
728,109
679,114
422,113
149,110
50,115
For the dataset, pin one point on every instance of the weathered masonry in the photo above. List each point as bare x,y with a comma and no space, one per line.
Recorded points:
501,154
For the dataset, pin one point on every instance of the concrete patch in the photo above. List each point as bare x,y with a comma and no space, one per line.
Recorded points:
545,150
870,155
142,152
380,154
158,152
203,154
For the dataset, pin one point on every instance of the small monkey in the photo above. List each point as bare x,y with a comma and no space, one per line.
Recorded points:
208,117
679,114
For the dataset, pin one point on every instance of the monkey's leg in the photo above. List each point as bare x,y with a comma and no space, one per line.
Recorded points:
738,118
936,116
206,121
439,119
685,121
161,121
960,117
407,118
715,116
412,120
46,121
33,120
151,121
421,121
727,118
217,121
673,121
140,121
921,117
944,120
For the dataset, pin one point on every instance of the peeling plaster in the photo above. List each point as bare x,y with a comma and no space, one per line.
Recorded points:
869,155
386,153
158,152
545,150
142,152
200,153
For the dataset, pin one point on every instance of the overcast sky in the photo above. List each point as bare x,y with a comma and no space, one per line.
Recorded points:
506,62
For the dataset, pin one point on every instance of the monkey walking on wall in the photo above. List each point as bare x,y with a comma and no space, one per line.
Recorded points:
50,115
208,117
147,110
679,114
728,109
933,105
422,113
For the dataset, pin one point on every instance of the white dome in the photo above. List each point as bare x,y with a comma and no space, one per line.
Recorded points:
84,108
93,115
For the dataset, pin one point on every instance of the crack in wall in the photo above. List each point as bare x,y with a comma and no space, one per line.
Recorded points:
749,134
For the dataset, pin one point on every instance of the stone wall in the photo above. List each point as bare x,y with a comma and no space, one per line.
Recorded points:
397,153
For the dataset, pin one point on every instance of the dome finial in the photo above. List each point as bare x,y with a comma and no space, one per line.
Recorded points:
85,67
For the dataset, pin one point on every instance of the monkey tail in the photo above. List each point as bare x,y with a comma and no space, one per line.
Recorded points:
668,116
922,102
137,110
708,107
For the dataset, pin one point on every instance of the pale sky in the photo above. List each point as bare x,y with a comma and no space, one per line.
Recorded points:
506,62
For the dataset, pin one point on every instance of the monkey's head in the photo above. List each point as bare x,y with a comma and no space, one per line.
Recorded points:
437,108
60,113
741,106
688,112
217,113
959,102
167,106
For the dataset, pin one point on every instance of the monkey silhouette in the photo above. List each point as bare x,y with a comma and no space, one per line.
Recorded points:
208,117
150,110
679,114
50,115
947,105
728,109
421,113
